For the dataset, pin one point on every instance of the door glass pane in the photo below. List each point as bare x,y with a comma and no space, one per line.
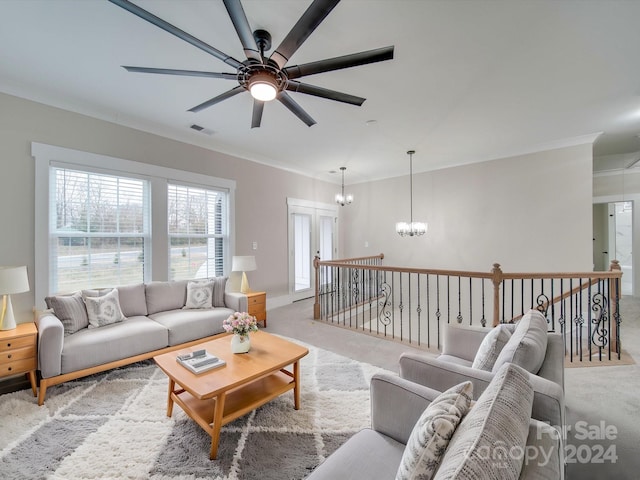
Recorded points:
302,251
623,243
326,238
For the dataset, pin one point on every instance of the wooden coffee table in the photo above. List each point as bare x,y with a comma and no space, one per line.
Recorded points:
247,381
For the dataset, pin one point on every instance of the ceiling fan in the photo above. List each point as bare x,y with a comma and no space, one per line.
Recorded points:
266,78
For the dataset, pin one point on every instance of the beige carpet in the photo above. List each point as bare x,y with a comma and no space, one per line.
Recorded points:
601,361
113,425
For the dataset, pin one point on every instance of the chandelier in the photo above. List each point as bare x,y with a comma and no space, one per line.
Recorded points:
411,229
341,199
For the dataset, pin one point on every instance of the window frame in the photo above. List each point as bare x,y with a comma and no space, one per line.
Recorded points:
159,177
55,235
222,236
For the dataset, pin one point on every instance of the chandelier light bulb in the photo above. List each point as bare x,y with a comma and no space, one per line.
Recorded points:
341,198
411,228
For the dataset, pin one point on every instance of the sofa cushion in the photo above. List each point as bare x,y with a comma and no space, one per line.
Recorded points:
199,294
132,300
164,296
365,456
104,310
188,325
490,440
527,346
220,284
96,346
491,347
433,430
71,311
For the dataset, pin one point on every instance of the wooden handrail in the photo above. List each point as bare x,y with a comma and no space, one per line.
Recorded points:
497,278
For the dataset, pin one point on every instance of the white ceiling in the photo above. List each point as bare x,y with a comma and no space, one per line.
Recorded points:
471,80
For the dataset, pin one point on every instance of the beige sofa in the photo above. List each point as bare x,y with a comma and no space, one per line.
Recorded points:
154,320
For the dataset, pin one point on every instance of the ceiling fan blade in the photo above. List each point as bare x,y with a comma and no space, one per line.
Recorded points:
186,73
296,109
172,29
241,24
305,26
294,86
219,98
337,63
256,118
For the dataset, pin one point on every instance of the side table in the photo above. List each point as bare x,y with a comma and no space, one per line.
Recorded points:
257,306
18,352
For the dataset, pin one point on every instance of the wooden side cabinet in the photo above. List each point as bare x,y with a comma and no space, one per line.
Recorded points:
257,306
19,352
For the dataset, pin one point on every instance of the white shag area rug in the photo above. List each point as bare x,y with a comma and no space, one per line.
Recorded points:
114,426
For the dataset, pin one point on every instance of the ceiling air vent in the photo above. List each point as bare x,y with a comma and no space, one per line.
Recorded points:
200,129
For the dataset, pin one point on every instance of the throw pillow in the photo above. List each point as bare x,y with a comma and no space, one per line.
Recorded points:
527,346
104,310
199,294
218,291
490,440
71,311
490,348
431,434
132,300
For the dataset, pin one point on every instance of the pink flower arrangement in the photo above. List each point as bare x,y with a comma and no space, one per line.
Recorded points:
240,323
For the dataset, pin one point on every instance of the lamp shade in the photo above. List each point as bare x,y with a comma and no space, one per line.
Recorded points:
244,263
13,280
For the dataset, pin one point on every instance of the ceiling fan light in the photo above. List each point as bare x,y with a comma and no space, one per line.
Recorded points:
263,87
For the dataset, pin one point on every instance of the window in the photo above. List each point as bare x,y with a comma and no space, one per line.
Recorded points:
102,221
197,232
99,228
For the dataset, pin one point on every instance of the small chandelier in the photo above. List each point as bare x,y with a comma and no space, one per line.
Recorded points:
411,229
341,199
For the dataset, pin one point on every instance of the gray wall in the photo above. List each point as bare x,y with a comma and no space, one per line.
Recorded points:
529,213
261,191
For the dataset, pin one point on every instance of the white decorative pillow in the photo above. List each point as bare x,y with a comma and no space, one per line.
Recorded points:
491,346
431,434
527,346
199,294
104,310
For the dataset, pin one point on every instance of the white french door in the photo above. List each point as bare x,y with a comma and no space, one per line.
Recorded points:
312,231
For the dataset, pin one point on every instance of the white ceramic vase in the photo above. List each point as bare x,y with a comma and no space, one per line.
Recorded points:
240,343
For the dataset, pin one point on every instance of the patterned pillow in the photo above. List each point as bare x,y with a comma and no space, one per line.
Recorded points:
199,294
490,440
491,346
104,310
431,434
71,311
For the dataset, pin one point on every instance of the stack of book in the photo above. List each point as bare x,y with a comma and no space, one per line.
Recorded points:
200,361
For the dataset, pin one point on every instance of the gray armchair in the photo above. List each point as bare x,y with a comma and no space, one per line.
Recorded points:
454,366
396,405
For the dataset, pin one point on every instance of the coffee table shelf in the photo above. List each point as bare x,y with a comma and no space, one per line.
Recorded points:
237,402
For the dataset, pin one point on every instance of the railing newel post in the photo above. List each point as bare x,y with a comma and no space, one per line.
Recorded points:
316,304
497,280
614,291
